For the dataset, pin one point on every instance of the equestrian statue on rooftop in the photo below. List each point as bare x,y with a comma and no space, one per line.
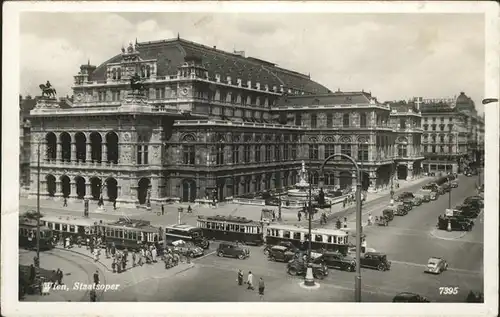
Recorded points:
48,91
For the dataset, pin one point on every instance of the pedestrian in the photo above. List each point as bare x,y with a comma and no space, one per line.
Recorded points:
65,202
344,202
345,222
153,254
299,215
114,204
162,209
189,210
133,259
250,280
59,275
261,288
240,277
274,215
93,295
96,277
32,273
88,243
370,219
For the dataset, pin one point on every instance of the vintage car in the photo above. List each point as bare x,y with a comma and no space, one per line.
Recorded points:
446,187
298,267
474,200
468,211
280,253
403,196
453,181
286,244
434,189
388,213
436,265
375,260
408,205
187,249
425,195
411,199
233,250
456,223
339,261
398,209
407,297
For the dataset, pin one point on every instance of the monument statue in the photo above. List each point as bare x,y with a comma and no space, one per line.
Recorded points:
47,90
136,84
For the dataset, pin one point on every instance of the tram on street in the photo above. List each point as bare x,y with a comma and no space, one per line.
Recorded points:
186,233
130,233
322,239
228,228
71,226
28,236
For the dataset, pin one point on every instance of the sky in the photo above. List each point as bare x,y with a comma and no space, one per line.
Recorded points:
395,56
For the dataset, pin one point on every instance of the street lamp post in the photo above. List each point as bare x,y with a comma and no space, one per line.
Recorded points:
309,280
357,280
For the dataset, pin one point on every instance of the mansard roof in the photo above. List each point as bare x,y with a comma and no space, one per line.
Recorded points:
170,54
333,98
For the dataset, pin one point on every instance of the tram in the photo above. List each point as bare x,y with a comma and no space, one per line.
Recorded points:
130,233
28,236
71,226
322,239
228,228
186,233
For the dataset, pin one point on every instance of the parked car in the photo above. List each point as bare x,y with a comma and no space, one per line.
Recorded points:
187,249
436,265
233,250
298,267
433,188
425,195
287,244
398,209
339,261
403,196
475,199
408,205
453,179
388,213
280,253
407,297
468,211
375,260
457,223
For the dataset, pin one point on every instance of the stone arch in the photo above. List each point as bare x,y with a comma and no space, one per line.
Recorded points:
345,139
142,190
96,146
362,140
112,188
95,187
189,190
51,140
81,146
402,171
313,140
221,183
329,139
189,137
80,186
65,185
112,147
51,185
65,140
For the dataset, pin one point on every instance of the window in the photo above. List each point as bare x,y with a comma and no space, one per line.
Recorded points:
293,153
314,121
268,153
246,154
450,149
329,150
298,119
313,151
402,123
441,127
442,119
220,154
257,153
363,152
441,138
362,120
160,93
285,152
296,235
402,150
433,149
236,154
277,155
345,149
329,120
188,154
345,120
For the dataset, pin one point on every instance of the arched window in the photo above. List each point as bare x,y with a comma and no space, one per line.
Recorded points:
362,120
148,71
346,120
402,150
220,154
119,73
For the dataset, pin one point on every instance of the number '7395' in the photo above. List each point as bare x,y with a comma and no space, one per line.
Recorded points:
448,290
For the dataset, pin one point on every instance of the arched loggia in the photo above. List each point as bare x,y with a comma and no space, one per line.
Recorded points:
81,146
80,187
142,190
51,185
65,186
112,147
112,188
65,140
96,146
95,187
51,143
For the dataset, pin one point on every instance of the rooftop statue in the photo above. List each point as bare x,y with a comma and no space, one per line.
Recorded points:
47,90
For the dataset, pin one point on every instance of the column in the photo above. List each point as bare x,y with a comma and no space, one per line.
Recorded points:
58,194
73,152
88,191
88,153
104,153
155,193
104,192
252,184
72,193
373,182
58,152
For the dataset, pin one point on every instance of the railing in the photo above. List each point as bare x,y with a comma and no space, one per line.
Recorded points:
79,163
234,123
247,201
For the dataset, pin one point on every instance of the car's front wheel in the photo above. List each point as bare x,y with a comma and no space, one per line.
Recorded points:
292,271
381,267
266,251
220,253
241,256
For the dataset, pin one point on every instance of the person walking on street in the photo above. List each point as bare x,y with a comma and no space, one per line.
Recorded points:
370,219
344,202
114,204
65,202
345,222
240,277
96,277
299,215
162,209
59,276
261,288
133,259
250,280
